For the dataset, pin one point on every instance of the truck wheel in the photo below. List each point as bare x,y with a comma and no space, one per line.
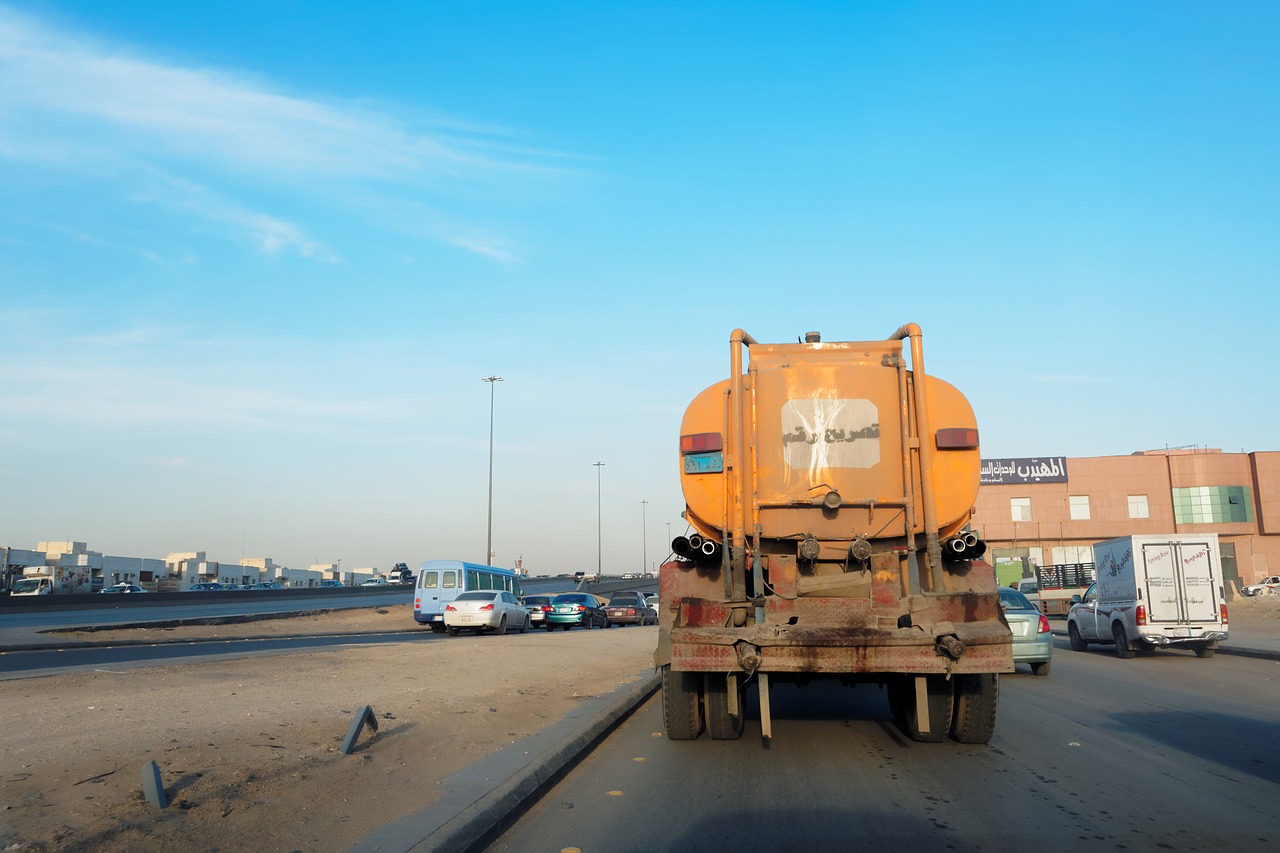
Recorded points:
681,711
1123,650
897,692
1078,643
720,724
977,698
941,702
437,627
1206,650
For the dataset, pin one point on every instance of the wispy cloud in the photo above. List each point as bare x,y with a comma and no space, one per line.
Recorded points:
68,99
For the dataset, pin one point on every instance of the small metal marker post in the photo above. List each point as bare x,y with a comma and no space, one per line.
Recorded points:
152,786
364,716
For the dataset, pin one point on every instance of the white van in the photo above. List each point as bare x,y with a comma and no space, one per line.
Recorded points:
38,585
1153,592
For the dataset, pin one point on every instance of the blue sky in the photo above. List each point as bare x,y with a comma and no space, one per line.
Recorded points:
256,257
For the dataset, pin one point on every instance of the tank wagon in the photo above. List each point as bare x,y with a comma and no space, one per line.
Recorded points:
828,490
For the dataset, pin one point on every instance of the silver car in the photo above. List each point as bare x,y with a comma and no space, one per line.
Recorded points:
1032,636
486,610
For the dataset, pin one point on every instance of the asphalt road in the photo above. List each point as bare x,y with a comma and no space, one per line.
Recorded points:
30,664
1163,752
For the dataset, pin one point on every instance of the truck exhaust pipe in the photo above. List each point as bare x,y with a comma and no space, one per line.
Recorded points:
709,548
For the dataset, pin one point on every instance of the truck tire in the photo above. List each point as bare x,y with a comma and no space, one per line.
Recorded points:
1123,650
1206,650
721,725
1078,643
896,689
941,703
977,698
681,710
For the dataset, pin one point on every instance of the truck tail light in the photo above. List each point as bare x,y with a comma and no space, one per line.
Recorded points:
1044,625
1222,610
702,442
957,438
1140,615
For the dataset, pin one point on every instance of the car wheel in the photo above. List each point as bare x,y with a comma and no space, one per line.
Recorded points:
528,623
502,625
437,628
1123,651
453,632
1040,668
1078,643
550,627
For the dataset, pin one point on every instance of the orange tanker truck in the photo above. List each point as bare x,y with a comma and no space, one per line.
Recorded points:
828,489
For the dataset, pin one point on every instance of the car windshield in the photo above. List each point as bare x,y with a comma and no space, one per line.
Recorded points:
477,596
624,601
537,600
1011,599
571,598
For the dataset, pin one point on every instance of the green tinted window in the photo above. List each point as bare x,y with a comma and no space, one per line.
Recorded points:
1212,505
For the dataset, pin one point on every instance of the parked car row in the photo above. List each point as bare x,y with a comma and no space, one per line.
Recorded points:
497,611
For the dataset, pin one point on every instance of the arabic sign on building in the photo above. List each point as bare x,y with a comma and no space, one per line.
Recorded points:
1036,469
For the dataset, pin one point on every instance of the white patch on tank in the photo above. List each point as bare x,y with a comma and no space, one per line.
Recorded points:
822,433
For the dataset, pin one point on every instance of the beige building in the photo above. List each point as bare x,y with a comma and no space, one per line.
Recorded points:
1051,510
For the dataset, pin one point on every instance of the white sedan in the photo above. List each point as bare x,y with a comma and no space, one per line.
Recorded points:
486,610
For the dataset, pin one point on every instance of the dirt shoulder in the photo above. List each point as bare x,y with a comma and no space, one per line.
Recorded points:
248,749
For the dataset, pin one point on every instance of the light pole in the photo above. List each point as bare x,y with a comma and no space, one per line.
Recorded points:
644,534
599,528
488,546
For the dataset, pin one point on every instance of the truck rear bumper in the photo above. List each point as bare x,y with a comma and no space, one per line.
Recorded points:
967,649
1173,640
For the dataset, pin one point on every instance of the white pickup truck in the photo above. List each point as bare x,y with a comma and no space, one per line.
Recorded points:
1266,586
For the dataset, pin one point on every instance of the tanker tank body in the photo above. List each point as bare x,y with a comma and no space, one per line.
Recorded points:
828,489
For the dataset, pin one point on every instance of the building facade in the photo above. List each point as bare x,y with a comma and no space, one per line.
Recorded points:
1051,510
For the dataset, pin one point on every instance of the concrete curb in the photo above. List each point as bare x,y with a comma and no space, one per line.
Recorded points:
499,793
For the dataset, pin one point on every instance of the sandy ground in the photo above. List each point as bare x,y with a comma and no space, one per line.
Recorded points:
248,749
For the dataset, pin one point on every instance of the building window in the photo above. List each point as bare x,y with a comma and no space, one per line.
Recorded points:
1072,554
1079,507
1138,507
1212,505
1020,508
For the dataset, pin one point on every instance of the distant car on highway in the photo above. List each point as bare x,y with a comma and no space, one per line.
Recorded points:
486,610
378,581
330,584
538,606
652,601
212,586
121,587
576,608
629,608
264,585
1032,636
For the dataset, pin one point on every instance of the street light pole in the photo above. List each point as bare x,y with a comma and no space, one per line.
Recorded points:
644,534
488,547
599,527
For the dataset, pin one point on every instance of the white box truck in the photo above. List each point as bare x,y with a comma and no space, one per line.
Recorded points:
1153,592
